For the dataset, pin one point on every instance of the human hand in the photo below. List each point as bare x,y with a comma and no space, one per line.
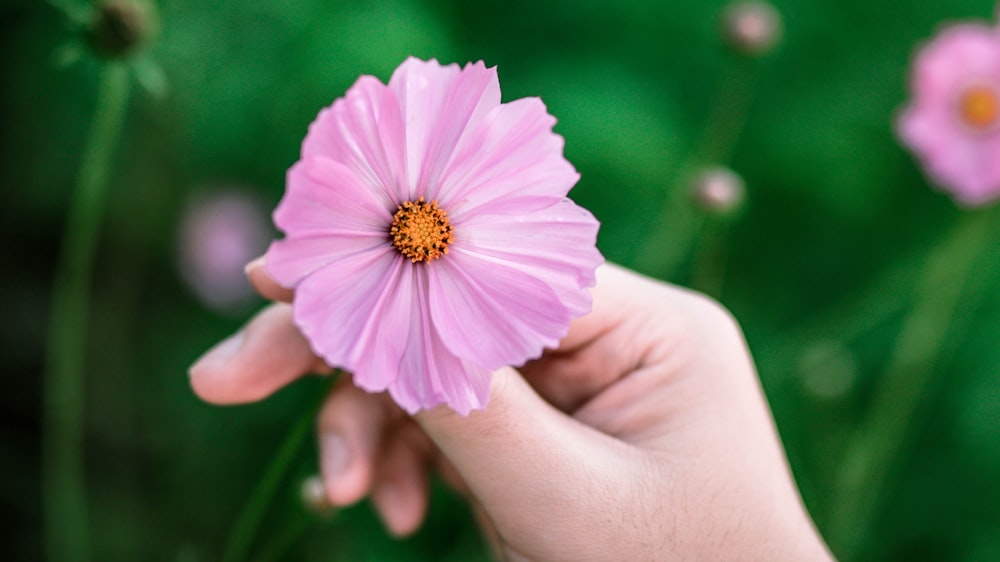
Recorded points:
645,436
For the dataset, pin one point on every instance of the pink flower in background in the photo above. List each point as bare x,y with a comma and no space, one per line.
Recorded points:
220,232
428,235
953,120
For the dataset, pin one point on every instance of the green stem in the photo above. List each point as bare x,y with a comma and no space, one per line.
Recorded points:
708,273
278,546
245,528
885,435
678,224
65,506
844,321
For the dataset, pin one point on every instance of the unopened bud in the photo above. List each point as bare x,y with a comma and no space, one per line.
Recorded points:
751,27
122,26
828,370
719,191
313,494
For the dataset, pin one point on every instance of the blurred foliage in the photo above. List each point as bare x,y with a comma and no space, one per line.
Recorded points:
838,222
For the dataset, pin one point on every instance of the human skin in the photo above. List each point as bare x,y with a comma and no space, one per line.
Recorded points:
644,436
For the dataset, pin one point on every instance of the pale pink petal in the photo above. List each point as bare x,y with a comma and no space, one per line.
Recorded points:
960,158
430,373
378,359
955,57
290,260
326,214
340,308
493,313
364,131
555,245
513,162
324,197
439,104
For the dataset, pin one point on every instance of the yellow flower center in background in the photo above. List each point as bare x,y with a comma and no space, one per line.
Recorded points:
421,230
979,107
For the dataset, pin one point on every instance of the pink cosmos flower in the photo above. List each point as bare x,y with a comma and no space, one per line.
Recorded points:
221,229
428,235
953,120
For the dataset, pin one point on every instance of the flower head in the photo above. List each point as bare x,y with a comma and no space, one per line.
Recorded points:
953,120
719,191
751,27
221,230
428,235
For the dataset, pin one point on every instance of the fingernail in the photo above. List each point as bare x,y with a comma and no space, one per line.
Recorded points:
387,500
219,355
254,263
336,455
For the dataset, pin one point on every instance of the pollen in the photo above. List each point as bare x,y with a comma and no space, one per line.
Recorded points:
979,107
421,231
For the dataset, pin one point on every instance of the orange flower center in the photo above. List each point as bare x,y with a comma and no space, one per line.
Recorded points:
421,230
979,107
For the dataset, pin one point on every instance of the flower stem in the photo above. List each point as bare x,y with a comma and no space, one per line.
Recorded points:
885,435
65,506
279,545
245,528
678,224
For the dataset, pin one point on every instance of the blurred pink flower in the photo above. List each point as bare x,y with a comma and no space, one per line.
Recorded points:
953,120
428,235
220,232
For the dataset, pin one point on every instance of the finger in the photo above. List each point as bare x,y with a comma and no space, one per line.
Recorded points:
353,426
520,454
265,355
602,346
263,284
401,491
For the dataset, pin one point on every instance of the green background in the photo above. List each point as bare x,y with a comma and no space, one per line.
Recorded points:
820,266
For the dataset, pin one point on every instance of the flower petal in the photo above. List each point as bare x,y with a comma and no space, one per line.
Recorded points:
324,197
494,314
960,158
959,55
513,163
555,245
439,105
356,317
364,131
431,374
326,214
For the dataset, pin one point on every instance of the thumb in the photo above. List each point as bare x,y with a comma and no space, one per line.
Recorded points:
525,461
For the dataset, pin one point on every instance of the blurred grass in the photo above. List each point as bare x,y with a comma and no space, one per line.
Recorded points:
835,207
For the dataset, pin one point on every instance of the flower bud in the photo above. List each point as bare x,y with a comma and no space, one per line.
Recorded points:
313,494
751,27
719,191
828,370
120,27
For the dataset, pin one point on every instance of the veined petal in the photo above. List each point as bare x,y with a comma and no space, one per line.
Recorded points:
354,312
324,197
555,245
492,313
364,131
326,214
377,360
290,260
439,105
512,161
430,373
